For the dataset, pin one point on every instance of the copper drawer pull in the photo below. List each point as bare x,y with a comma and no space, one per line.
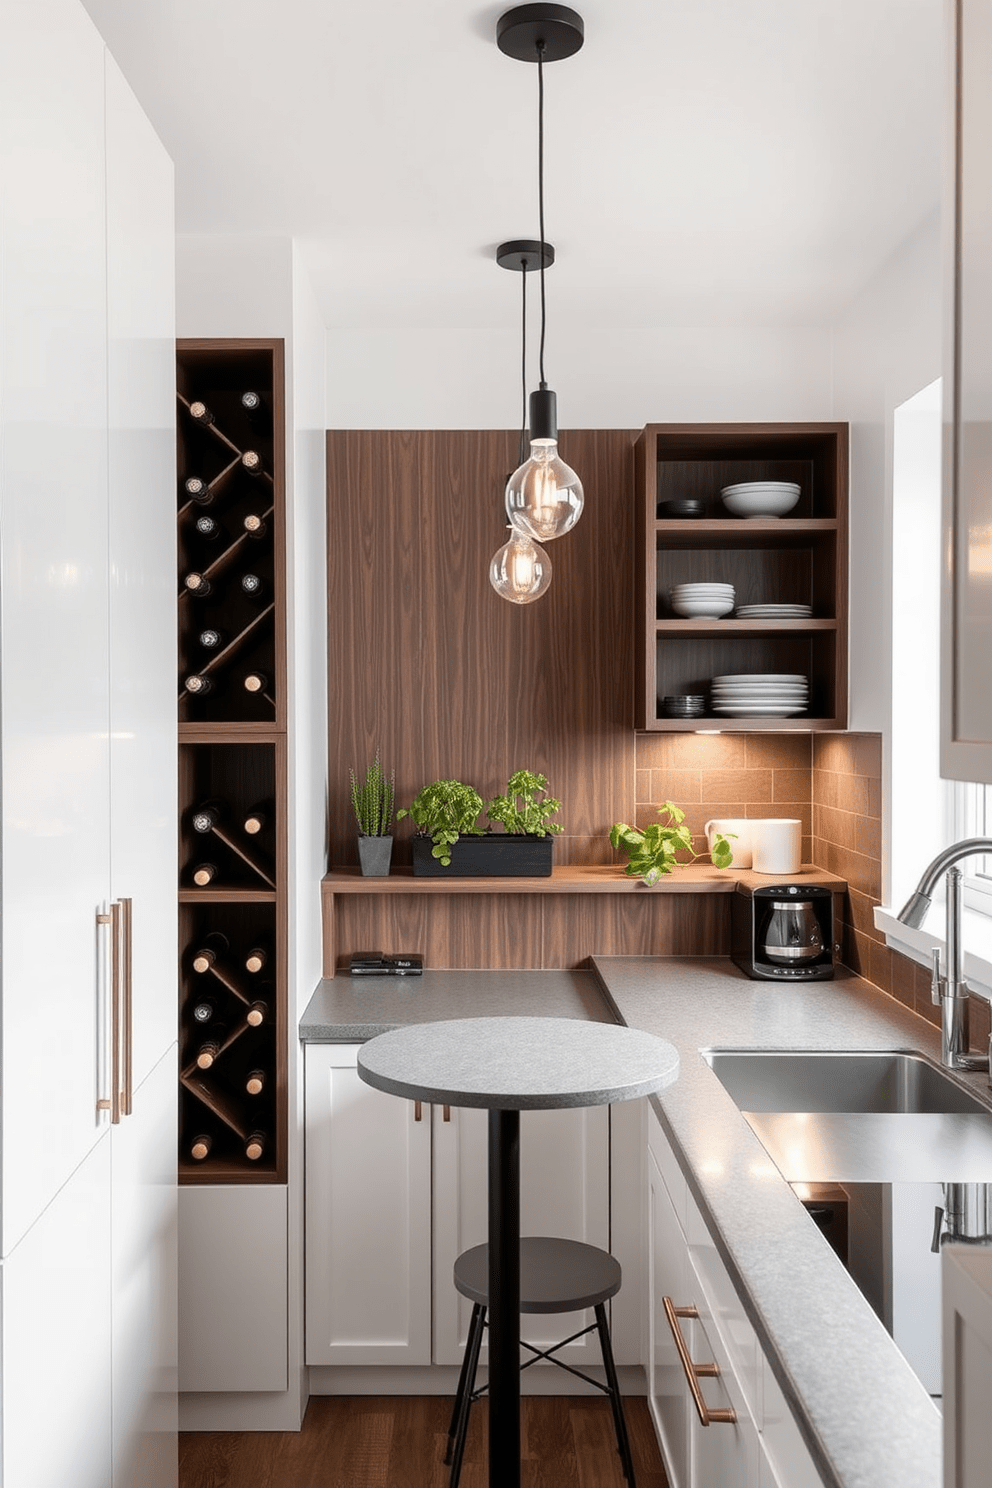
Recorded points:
445,1113
693,1372
418,1110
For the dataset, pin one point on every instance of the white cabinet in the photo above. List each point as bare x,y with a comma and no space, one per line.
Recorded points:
762,1445
386,1217
87,703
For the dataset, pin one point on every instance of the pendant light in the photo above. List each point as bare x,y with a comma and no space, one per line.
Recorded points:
521,570
544,495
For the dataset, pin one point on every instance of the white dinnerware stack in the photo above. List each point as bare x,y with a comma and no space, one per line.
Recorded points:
774,612
760,498
702,601
760,694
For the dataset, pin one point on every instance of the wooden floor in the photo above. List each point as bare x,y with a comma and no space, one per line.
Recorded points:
398,1441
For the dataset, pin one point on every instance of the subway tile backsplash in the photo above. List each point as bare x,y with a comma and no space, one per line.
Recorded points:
833,782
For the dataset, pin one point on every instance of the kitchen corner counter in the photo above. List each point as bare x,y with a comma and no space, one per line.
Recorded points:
866,1418
347,1009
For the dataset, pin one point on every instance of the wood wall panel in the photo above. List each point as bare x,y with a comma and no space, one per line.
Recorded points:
498,931
430,666
632,925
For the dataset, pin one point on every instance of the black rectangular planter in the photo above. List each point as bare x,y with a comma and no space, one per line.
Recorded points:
494,855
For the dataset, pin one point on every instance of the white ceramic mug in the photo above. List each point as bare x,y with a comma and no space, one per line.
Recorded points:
777,845
740,842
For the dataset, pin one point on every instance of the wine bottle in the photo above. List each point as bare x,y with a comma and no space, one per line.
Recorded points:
257,818
251,584
204,1011
257,1013
200,412
256,682
257,957
214,945
211,640
203,874
206,817
255,1146
251,462
197,489
197,584
206,1054
255,526
208,528
255,1082
197,685
251,402
200,1146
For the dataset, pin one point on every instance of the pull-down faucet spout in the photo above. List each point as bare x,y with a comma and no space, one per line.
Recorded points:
950,991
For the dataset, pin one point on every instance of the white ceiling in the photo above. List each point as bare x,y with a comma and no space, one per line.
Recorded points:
731,162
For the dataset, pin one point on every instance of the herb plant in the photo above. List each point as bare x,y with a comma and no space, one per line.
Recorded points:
531,815
652,851
372,800
444,811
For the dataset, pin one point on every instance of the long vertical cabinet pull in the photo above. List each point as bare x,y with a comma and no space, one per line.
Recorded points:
106,1103
128,1000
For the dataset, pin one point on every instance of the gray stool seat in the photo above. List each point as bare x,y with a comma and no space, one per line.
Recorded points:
555,1275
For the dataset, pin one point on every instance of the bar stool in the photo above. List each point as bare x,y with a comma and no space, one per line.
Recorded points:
555,1276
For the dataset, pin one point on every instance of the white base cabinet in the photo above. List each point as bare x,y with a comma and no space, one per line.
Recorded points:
396,1190
762,1447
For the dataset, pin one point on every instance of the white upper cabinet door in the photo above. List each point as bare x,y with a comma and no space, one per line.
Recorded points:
966,630
53,595
145,1285
142,478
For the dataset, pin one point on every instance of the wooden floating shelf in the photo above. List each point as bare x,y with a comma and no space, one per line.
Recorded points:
689,627
694,878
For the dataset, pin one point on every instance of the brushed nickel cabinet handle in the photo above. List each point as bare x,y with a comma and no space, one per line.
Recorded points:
693,1372
128,999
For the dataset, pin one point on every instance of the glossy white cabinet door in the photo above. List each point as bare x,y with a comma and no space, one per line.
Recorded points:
564,1190
142,496
724,1452
53,594
368,1218
144,1285
56,1339
668,1276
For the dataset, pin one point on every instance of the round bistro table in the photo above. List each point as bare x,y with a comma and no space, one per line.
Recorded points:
505,1066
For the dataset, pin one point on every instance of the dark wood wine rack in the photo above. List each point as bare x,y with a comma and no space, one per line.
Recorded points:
232,760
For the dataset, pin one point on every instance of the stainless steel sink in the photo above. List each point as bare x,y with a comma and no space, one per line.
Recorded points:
839,1081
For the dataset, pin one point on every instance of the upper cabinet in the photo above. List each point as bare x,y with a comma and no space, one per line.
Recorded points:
966,629
796,562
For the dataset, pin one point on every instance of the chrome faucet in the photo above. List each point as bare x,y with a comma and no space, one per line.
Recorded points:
950,991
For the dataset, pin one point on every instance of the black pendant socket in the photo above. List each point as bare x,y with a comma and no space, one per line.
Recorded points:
525,253
543,408
518,32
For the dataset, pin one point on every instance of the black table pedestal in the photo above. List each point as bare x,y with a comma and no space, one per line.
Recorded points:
504,1298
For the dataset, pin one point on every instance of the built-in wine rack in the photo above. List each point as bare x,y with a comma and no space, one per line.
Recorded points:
232,761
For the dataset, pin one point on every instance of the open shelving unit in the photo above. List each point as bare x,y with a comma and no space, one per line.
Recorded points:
798,559
232,763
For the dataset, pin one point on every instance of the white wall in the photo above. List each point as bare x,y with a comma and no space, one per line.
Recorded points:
624,379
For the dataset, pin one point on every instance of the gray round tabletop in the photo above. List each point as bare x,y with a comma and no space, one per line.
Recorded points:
518,1064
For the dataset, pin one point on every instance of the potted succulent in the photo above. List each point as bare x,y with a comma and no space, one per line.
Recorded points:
372,799
446,814
652,851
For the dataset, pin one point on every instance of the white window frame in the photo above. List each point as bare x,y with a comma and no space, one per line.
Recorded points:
971,816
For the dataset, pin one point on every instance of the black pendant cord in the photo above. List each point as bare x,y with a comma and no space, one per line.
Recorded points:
522,451
540,189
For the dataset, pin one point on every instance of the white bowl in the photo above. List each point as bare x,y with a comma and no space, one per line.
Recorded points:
760,498
703,609
688,589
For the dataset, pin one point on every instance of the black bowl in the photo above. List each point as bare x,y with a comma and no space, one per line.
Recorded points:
680,509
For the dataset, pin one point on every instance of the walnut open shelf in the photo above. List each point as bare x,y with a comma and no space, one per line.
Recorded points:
232,751
797,559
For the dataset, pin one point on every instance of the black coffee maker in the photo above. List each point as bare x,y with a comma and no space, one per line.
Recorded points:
784,932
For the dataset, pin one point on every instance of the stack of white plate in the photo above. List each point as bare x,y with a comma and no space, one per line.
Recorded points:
702,601
760,694
774,612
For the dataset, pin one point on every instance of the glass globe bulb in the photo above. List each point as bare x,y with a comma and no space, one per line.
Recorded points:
520,571
544,496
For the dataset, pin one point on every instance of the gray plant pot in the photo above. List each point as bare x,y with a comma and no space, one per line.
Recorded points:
374,854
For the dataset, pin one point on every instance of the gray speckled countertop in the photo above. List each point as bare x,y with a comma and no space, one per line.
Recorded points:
347,1009
866,1417
864,1413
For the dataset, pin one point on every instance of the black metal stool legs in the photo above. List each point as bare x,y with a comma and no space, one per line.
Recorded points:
458,1430
619,1423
